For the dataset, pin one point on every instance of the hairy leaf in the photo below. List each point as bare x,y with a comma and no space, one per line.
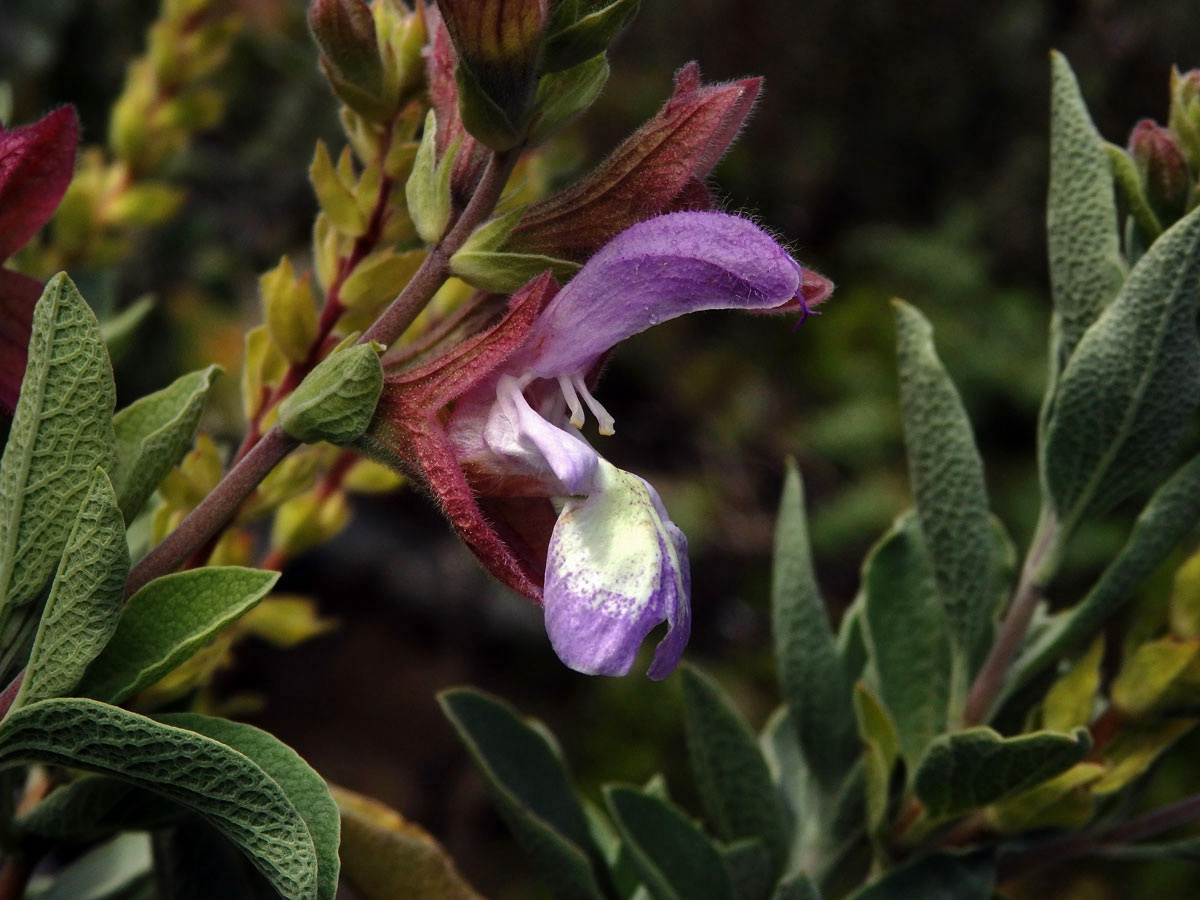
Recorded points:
530,785
811,673
676,860
153,434
61,432
969,769
1126,397
233,793
167,621
735,785
84,604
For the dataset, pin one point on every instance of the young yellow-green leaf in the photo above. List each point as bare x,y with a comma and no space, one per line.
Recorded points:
428,187
1070,701
1125,176
562,96
588,36
1185,599
970,769
942,876
385,857
305,789
812,677
530,785
379,278
908,635
153,434
226,787
336,400
1133,751
675,858
334,195
503,273
289,310
1062,802
947,482
492,234
1171,514
1086,267
882,746
1127,395
739,797
95,807
84,603
1157,676
167,621
61,431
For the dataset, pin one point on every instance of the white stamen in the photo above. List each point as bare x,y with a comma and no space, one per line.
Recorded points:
573,404
603,419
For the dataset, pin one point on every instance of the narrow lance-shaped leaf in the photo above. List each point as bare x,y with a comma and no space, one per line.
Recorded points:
85,600
167,621
908,636
304,787
676,860
1171,513
61,432
1127,395
739,797
811,673
233,793
153,434
530,785
882,748
947,481
970,769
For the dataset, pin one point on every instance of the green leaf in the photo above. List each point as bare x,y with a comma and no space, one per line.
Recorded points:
1126,397
735,785
938,877
1062,802
384,857
104,872
1126,177
500,272
587,37
796,887
167,621
750,868
305,789
84,604
908,636
233,793
811,674
61,431
428,187
1169,516
676,860
94,807
1086,267
789,771
969,769
154,433
337,399
530,785
947,481
118,331
1071,700
882,750
564,95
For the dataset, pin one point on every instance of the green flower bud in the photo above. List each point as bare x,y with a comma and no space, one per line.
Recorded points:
335,401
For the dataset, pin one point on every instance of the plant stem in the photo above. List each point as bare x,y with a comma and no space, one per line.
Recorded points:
990,680
1074,846
214,511
436,266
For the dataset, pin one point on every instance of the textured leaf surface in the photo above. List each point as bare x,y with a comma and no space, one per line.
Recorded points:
1086,266
234,794
335,401
61,432
811,673
167,621
969,769
530,785
153,434
938,877
1126,396
676,860
385,857
739,797
947,481
95,807
84,604
304,787
1171,513
908,635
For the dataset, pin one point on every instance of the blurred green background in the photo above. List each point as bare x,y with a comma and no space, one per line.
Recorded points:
898,148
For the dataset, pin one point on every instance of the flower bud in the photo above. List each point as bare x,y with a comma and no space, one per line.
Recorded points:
335,401
345,32
1161,168
1184,120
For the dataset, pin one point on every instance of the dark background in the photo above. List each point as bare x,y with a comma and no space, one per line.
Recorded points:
899,148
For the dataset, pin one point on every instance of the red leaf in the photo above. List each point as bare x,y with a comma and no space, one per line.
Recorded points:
36,164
